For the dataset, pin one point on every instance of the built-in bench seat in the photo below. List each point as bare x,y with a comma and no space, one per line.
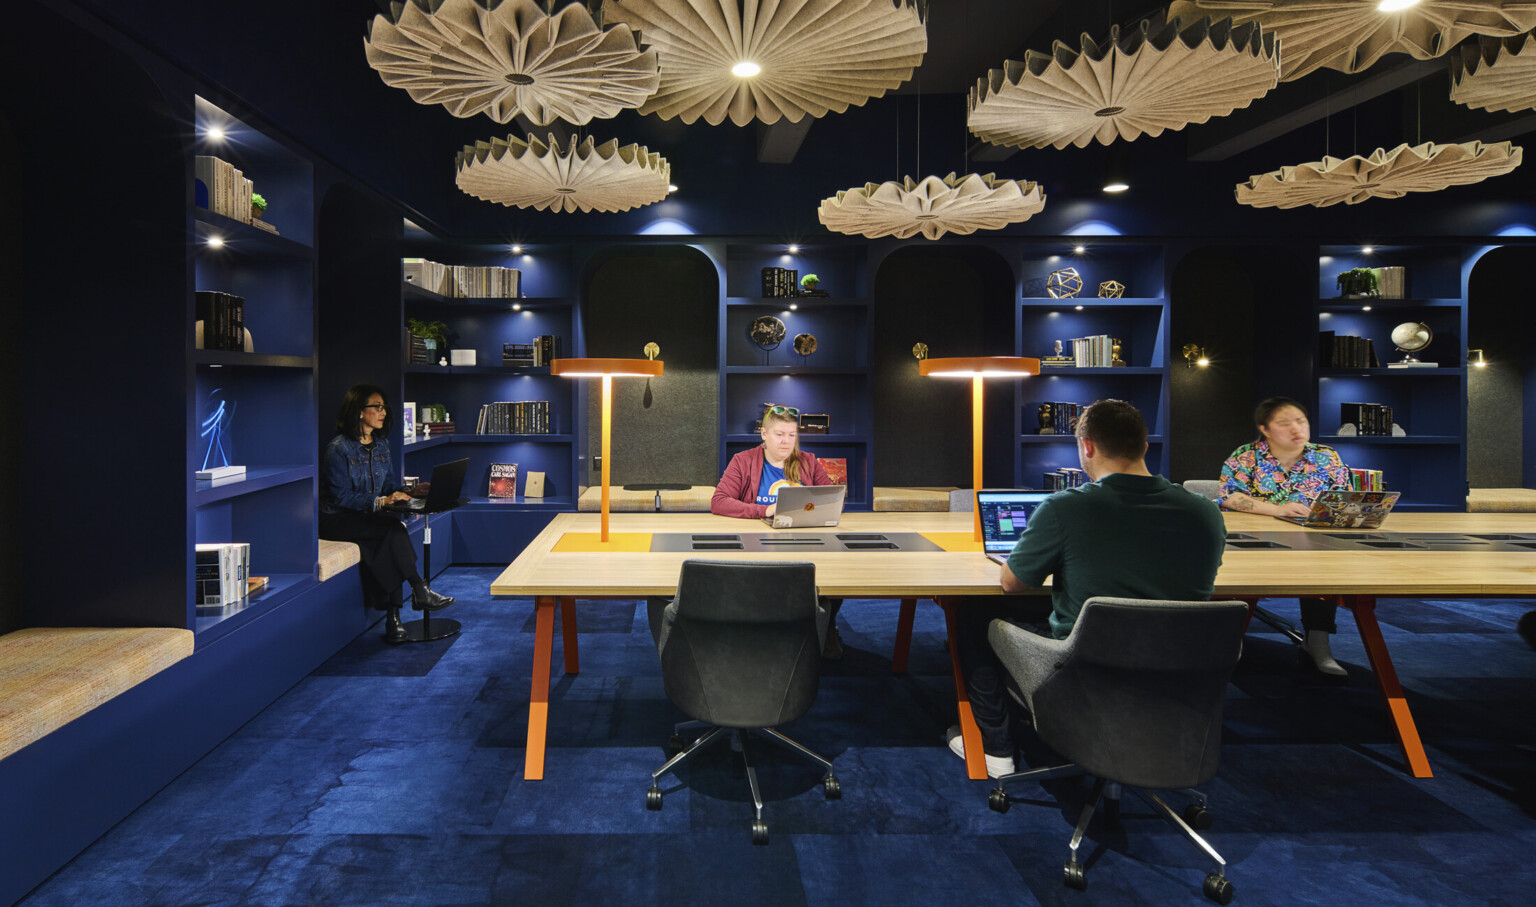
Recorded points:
890,499
335,557
49,676
1501,500
620,500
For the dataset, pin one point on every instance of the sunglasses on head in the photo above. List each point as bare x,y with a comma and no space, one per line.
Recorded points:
780,410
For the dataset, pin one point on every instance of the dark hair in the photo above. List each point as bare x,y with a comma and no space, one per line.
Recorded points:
350,416
1116,427
1266,410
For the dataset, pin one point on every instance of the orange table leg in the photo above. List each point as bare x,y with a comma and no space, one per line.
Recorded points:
903,635
975,765
1364,608
538,695
568,634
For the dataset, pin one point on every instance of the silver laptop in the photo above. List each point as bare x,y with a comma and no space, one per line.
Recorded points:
1004,514
1338,509
807,507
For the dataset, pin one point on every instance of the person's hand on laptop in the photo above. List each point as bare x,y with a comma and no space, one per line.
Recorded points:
1291,508
393,496
771,508
420,489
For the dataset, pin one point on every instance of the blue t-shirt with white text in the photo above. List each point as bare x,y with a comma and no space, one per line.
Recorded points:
768,485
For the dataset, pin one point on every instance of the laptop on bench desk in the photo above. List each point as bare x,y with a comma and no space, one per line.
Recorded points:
447,484
1004,514
807,507
1339,509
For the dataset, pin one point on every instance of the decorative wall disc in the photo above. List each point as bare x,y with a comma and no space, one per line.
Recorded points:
1385,174
1064,284
1495,73
1145,80
1111,289
767,332
805,344
585,177
933,207
507,57
1351,36
815,56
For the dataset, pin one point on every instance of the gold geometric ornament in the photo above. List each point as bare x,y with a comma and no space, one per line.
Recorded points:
1064,284
586,177
1111,289
815,56
1384,174
507,57
932,207
1352,35
1495,73
1149,78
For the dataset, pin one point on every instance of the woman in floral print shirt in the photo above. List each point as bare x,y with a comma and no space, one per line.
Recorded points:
1279,475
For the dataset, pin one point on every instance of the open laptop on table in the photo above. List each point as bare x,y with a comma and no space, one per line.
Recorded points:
447,484
807,507
1347,510
1004,514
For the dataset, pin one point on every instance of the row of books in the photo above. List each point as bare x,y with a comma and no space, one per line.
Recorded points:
222,575
1367,418
437,428
522,417
419,353
227,190
1065,477
1057,418
540,352
463,281
223,318
781,282
1096,351
1367,480
1345,351
1391,283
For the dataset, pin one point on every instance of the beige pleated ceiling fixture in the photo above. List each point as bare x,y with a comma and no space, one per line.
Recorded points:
1496,73
504,58
1151,77
769,60
583,177
1382,174
1351,35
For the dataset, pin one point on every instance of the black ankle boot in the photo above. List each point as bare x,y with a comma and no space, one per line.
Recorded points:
394,633
424,599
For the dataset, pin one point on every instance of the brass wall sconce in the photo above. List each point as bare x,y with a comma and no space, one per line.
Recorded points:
920,351
1478,362
1194,355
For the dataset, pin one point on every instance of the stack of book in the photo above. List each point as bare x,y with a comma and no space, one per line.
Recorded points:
220,573
463,281
1345,351
781,282
419,353
1391,283
224,187
223,318
523,417
519,355
1366,480
1367,418
1097,351
1055,418
1065,477
437,428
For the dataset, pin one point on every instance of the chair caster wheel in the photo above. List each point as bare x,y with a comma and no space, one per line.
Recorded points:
675,745
653,799
997,801
1198,817
832,788
1072,876
1218,889
759,832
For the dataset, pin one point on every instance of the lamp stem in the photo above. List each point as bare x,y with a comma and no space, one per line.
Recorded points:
976,385
607,428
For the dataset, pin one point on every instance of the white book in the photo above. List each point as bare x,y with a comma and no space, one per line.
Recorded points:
220,472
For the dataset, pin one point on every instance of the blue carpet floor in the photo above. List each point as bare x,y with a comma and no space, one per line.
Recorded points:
394,776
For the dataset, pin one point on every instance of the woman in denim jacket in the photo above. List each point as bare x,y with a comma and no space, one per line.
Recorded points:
355,482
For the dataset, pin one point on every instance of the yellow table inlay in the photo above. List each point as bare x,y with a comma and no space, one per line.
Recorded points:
583,542
953,541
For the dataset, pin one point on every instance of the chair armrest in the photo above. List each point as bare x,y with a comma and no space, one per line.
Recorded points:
1030,658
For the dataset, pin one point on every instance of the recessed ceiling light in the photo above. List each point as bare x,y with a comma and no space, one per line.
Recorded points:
1365,308
1078,308
746,69
794,306
671,187
1392,6
517,306
1366,250
794,249
1116,186
216,241
216,133
1079,249
517,248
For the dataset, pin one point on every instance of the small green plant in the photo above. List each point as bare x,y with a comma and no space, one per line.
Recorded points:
809,281
257,202
1359,282
428,330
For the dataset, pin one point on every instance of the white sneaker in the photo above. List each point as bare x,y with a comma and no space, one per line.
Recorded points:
1316,647
997,766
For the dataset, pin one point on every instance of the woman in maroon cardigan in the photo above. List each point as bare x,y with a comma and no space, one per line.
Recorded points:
750,486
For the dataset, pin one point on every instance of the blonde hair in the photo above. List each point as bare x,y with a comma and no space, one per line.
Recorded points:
791,465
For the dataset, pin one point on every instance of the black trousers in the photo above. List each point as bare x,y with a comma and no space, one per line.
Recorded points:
1319,614
986,680
386,560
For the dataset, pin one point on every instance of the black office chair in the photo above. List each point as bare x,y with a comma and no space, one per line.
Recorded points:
741,650
1132,697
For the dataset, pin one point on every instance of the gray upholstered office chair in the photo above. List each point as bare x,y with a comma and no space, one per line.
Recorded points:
741,650
1211,488
1132,697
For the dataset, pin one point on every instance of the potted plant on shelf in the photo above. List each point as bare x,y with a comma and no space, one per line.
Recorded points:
434,336
809,284
258,206
1359,282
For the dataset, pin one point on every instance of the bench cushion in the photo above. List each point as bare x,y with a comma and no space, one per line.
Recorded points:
335,557
1501,500
889,499
49,676
695,500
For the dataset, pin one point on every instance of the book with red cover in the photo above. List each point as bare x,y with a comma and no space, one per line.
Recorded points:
837,469
503,481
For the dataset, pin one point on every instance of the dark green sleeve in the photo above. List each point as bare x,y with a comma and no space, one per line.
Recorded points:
1037,554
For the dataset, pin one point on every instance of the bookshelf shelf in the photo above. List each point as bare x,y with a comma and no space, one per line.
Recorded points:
792,370
257,478
1068,371
280,588
1392,373
1394,440
241,239
1087,302
804,302
472,438
233,359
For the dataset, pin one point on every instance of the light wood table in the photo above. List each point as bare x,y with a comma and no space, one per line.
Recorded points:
555,570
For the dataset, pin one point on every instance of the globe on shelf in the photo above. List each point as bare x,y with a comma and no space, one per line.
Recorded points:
1411,337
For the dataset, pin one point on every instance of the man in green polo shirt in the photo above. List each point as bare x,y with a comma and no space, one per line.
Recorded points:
1127,533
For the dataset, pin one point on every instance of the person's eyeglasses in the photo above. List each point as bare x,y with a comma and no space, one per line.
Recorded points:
779,410
378,406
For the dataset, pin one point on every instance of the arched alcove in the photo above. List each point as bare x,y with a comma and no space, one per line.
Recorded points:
665,429
1500,323
960,301
1252,310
